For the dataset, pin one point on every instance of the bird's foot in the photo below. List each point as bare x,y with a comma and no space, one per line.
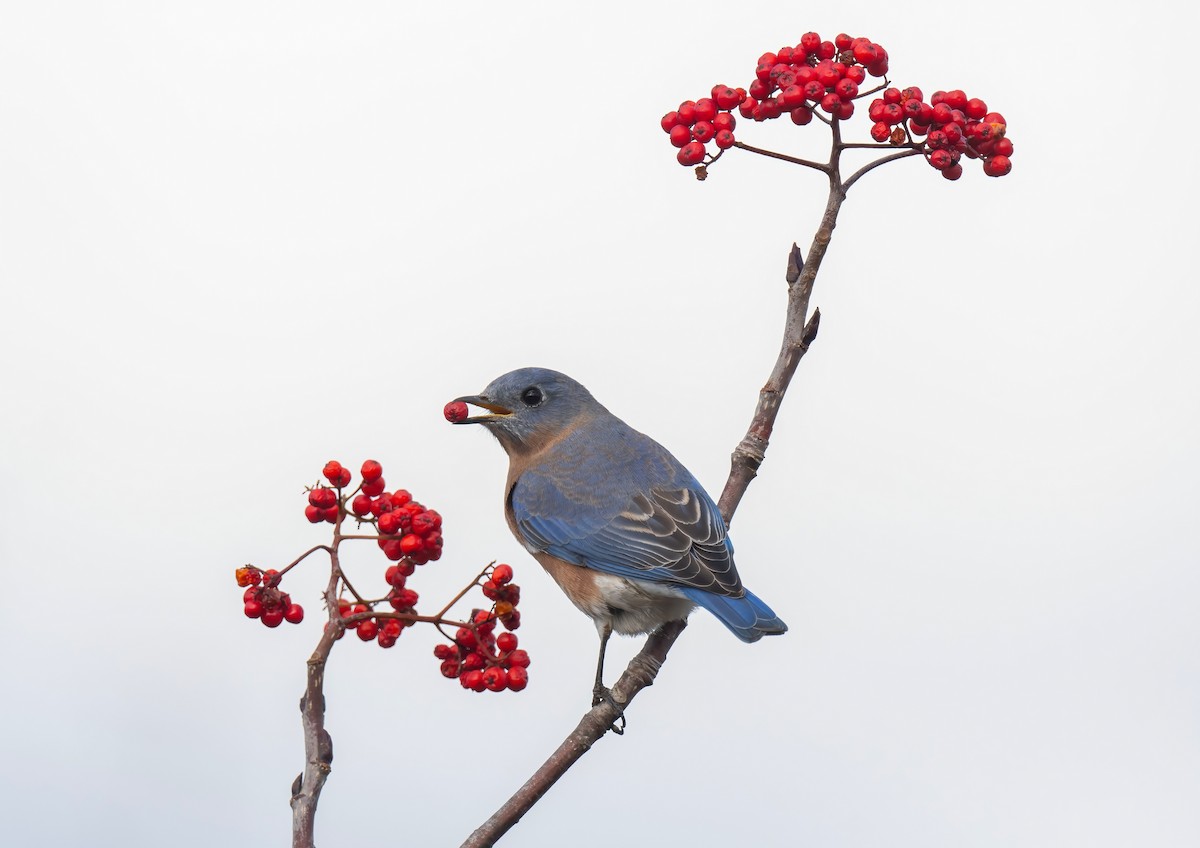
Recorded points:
602,694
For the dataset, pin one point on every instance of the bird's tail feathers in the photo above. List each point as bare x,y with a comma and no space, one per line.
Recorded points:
748,617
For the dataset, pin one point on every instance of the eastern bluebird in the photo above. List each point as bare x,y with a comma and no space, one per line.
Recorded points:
624,529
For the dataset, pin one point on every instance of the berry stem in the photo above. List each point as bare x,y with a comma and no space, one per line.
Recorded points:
465,589
771,153
302,557
912,151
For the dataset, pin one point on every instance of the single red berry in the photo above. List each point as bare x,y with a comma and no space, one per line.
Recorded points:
385,640
687,113
330,515
680,135
956,99
294,614
253,609
830,102
391,549
760,90
449,668
455,411
846,89
518,659
941,159
322,497
893,113
878,69
942,113
691,154
314,514
706,109
472,680
367,630
371,471
466,639
389,523
506,642
518,679
332,471
881,131
473,662
826,50
747,107
502,574
272,617
724,121
793,96
726,97
953,172
809,42
361,505
511,620
997,166
703,131
866,53
392,627
669,120
375,487
912,93
394,577
446,652
857,74
495,679
842,41
1004,147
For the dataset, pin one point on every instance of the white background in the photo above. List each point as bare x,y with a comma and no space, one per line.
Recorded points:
240,239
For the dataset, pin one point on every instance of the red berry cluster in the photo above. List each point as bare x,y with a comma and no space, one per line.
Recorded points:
826,75
411,530
480,658
791,81
264,600
952,124
383,629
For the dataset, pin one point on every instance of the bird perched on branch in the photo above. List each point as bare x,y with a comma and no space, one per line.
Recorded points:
624,529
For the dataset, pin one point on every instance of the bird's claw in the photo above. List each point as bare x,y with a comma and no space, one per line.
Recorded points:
602,694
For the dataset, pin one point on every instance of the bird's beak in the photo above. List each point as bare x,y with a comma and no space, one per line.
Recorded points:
496,410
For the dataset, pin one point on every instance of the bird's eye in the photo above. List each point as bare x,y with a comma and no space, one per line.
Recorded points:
532,396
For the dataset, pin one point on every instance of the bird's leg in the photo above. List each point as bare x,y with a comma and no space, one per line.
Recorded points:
600,692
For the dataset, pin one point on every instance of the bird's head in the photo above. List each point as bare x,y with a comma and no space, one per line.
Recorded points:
529,407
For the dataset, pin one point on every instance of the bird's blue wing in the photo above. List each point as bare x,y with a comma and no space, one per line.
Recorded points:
619,503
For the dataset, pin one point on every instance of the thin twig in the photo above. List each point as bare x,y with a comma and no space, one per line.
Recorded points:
805,162
873,165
